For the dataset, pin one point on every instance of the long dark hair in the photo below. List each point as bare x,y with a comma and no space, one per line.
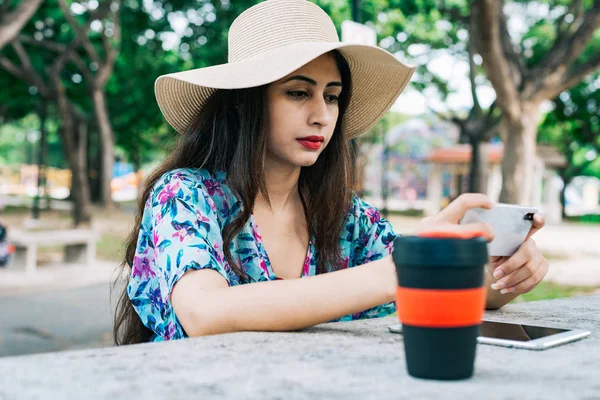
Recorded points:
229,135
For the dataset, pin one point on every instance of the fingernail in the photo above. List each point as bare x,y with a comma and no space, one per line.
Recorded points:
498,273
498,285
504,291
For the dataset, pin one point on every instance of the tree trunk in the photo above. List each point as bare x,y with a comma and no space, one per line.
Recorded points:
12,23
93,164
107,145
474,173
70,131
70,134
44,153
563,202
41,181
563,197
519,155
79,184
356,11
137,158
479,163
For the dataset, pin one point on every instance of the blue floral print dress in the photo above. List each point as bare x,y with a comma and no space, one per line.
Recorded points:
181,230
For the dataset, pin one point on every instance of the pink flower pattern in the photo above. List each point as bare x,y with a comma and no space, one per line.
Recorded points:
168,192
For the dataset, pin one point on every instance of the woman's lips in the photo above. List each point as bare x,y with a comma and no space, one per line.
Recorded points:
310,144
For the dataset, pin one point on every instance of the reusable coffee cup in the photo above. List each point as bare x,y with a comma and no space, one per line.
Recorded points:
440,301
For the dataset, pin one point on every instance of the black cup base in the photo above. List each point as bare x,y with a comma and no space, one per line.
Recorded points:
440,353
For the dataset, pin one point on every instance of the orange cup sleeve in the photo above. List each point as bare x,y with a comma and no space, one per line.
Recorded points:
440,308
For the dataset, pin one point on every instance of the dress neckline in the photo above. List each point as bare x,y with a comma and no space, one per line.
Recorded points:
270,272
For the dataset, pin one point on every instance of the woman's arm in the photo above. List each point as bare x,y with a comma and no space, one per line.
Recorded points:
205,305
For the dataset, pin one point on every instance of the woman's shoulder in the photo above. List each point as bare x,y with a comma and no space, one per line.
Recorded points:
194,179
191,177
361,208
195,184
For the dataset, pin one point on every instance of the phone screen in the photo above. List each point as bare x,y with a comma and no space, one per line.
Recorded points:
521,333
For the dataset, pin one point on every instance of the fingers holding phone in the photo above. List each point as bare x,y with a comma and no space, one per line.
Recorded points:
448,219
512,225
538,223
515,260
456,210
523,271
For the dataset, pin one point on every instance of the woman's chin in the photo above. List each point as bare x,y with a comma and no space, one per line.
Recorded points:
306,161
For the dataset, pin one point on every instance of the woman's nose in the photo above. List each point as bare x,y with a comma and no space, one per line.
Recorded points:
320,112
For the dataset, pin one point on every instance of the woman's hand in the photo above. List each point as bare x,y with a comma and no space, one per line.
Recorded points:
447,219
525,269
508,276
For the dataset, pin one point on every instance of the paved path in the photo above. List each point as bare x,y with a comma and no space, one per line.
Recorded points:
584,271
55,276
56,320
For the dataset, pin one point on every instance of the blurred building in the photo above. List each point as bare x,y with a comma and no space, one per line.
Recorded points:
582,196
456,160
426,169
408,144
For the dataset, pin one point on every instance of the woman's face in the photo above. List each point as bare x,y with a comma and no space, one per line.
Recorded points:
303,111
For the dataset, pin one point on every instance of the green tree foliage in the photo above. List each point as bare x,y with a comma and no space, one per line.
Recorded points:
171,36
574,128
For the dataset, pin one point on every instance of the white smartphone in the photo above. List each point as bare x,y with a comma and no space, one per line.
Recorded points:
521,336
511,224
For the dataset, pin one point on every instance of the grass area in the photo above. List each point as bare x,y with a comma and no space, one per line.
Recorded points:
16,215
110,247
588,219
16,210
550,290
406,213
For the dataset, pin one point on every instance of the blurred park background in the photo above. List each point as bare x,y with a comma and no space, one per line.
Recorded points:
505,101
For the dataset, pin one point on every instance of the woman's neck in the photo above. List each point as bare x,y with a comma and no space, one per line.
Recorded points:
282,187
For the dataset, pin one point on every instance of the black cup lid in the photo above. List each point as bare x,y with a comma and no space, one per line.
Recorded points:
440,251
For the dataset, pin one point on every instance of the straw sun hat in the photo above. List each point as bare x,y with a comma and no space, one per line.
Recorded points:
273,39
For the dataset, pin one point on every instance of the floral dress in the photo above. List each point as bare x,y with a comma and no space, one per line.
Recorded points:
181,230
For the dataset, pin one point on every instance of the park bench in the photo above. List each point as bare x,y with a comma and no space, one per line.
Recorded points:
79,245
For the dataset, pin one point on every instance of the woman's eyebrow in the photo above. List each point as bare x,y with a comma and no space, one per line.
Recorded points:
311,81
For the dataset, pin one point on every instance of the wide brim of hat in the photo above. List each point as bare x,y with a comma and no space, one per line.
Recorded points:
377,77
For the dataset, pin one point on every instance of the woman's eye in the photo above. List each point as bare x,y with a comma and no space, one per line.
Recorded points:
332,99
298,94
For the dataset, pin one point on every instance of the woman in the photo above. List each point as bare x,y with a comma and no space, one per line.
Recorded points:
258,191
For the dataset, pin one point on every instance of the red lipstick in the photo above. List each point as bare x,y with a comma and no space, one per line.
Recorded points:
311,142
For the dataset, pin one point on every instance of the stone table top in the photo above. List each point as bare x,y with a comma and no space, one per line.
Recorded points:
347,360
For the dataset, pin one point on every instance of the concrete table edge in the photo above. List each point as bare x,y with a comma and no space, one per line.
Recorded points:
359,359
